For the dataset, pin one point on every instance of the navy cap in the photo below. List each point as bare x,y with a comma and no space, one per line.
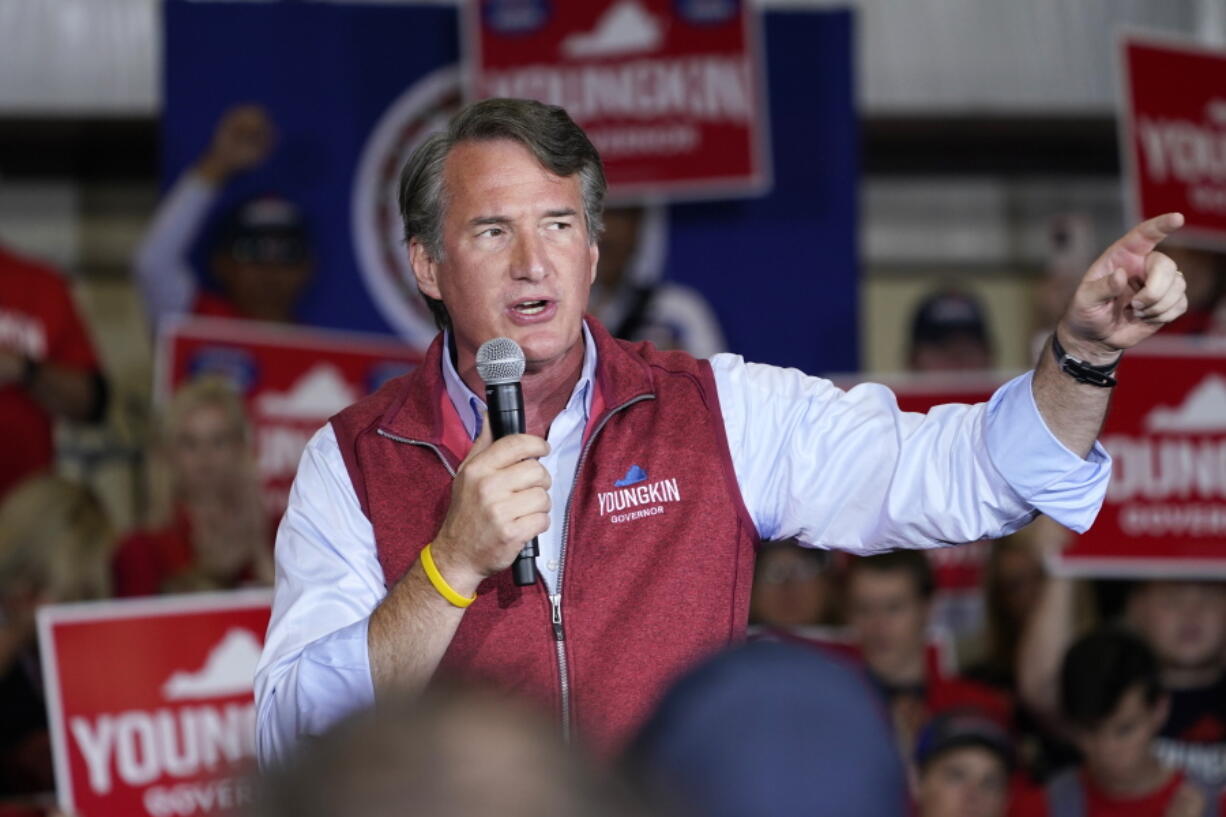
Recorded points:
266,230
770,728
958,729
948,313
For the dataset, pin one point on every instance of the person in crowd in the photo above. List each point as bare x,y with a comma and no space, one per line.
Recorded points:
630,297
459,750
259,256
962,766
1184,623
55,545
1013,582
744,734
649,477
888,609
1205,271
48,367
1113,701
791,587
207,528
949,333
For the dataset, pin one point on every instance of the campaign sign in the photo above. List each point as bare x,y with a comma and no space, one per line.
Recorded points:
150,702
292,378
1165,512
1173,132
670,91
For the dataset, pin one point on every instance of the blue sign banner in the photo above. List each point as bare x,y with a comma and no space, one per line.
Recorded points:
354,87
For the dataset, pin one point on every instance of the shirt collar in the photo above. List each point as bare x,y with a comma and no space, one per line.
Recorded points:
470,407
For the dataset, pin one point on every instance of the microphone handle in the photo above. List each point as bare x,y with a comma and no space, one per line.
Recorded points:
505,404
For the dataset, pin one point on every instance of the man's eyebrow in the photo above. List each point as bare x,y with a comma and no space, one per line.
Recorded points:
569,211
480,220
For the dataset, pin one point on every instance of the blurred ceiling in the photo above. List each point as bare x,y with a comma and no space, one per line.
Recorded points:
928,57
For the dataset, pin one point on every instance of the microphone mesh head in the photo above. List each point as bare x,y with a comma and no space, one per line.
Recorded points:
500,360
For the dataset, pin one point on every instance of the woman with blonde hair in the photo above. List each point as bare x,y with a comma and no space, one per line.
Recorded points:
55,546
207,528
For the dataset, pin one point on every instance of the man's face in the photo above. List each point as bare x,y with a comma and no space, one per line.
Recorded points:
1184,622
966,782
1118,749
516,257
889,618
266,291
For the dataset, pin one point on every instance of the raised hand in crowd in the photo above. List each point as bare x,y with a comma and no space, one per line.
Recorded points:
244,137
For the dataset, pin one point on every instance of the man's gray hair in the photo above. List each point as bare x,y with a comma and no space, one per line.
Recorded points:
547,131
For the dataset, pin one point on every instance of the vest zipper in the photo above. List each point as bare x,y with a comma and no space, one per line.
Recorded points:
555,601
431,446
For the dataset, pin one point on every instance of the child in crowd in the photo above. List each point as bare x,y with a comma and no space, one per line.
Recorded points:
1112,699
962,766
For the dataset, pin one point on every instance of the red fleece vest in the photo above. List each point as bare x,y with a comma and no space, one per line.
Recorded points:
656,572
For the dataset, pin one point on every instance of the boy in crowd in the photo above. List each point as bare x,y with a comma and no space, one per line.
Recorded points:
889,604
1183,623
1112,699
962,767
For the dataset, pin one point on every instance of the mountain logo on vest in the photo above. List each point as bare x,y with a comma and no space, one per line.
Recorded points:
636,497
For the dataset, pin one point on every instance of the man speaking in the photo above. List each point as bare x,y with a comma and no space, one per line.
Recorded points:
649,477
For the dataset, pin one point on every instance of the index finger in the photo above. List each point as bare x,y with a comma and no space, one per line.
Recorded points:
1142,238
514,448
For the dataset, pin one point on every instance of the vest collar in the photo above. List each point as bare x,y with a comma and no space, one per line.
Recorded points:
425,413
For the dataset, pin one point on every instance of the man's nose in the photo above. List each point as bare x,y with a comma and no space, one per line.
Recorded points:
529,261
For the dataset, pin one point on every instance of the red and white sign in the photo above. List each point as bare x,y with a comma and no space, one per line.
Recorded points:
1173,133
669,91
292,378
1165,513
150,702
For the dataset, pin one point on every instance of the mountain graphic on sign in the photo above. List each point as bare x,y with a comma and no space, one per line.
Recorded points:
228,670
318,394
1204,409
626,28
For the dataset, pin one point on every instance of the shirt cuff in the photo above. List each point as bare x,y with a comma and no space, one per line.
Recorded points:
1046,474
334,678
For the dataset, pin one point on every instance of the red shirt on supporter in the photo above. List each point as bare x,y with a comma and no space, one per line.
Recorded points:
148,560
941,691
1034,801
38,319
214,306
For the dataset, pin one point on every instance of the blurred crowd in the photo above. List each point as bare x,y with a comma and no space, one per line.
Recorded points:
856,695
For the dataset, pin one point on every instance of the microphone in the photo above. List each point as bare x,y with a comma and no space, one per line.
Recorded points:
500,365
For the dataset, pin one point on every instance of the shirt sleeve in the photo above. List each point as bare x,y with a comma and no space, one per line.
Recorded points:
69,344
849,470
315,668
162,266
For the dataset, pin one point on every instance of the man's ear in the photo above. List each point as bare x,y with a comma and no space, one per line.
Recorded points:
425,269
594,255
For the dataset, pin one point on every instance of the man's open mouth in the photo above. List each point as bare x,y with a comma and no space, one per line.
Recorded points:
530,307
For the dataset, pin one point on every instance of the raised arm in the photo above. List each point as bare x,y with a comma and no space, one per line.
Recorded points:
1130,292
242,140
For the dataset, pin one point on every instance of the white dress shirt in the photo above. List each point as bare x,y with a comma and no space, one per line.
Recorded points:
838,469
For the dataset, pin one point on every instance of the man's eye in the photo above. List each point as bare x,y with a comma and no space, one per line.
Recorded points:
559,225
492,232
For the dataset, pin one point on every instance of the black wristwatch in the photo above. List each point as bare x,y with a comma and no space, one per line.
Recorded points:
1081,371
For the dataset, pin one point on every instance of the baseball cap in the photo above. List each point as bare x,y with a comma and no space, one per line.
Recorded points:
266,230
947,313
958,729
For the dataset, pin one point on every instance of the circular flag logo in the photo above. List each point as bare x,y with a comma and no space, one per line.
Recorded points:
378,232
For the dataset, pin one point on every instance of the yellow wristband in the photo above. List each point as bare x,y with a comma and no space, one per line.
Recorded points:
440,584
